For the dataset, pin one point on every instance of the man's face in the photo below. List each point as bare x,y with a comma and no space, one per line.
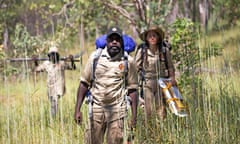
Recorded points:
114,44
53,57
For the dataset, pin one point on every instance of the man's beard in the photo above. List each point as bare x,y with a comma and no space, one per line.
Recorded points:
113,51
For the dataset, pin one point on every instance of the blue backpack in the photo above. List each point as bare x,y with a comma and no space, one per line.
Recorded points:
129,43
129,46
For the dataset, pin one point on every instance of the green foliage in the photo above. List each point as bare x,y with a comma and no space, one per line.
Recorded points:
227,11
10,71
186,54
2,56
214,107
157,14
8,13
185,50
24,43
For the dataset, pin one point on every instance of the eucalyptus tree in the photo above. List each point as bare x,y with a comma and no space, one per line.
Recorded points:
140,14
225,13
8,16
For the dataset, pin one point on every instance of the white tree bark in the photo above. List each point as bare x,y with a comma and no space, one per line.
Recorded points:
5,39
173,14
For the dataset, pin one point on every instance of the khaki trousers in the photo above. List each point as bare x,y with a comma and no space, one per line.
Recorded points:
154,101
101,126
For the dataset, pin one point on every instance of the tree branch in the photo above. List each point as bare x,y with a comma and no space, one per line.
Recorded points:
64,10
121,10
140,8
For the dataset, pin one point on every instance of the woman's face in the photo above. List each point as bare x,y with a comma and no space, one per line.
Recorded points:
152,38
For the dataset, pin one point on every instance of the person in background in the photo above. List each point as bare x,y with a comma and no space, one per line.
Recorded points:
55,76
153,60
109,84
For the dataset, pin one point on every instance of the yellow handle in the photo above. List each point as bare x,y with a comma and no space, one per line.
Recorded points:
171,99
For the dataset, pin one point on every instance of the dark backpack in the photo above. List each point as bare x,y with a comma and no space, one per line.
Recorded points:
143,46
162,48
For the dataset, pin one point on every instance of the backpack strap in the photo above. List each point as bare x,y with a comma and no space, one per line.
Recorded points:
165,55
164,45
125,58
95,61
143,49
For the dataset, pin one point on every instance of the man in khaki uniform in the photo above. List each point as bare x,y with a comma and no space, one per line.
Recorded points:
108,90
55,77
153,61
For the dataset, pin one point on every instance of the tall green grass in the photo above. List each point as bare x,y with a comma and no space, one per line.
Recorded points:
213,103
25,115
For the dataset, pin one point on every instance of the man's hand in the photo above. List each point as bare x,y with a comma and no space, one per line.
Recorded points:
132,131
73,66
78,117
133,94
173,81
133,123
71,57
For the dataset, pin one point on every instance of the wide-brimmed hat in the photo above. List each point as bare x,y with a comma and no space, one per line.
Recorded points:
53,49
156,29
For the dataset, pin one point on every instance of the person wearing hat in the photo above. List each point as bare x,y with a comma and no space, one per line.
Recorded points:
108,89
55,76
153,60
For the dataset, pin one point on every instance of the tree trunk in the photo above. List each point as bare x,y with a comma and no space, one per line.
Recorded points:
194,11
203,10
186,9
5,39
206,15
202,14
173,14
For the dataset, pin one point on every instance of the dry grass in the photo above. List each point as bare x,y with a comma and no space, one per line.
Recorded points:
214,110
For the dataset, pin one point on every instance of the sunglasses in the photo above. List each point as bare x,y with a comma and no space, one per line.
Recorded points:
112,38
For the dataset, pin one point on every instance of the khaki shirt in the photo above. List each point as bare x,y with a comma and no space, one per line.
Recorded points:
55,77
108,86
154,65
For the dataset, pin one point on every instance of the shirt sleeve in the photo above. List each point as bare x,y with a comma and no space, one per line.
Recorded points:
65,65
132,74
42,66
87,72
138,59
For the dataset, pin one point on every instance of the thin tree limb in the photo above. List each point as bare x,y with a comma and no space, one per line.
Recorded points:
63,11
121,10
